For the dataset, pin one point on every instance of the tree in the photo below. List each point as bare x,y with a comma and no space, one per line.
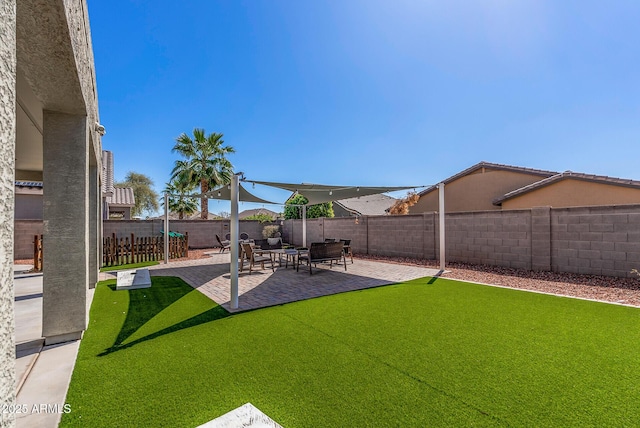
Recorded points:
291,211
401,206
205,163
146,197
178,203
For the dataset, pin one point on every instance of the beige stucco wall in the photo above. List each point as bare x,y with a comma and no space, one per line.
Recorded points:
475,192
575,193
7,168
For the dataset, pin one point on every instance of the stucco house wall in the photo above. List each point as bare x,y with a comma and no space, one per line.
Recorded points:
475,191
574,193
48,112
7,177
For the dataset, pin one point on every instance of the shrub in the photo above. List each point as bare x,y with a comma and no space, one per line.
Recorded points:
270,231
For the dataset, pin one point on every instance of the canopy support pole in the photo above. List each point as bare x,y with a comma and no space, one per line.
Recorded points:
304,226
441,224
166,227
235,239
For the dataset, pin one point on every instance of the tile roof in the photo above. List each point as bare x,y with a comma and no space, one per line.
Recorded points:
490,165
122,197
367,205
603,179
247,213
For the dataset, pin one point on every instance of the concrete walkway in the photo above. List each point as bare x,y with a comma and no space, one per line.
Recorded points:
43,372
264,288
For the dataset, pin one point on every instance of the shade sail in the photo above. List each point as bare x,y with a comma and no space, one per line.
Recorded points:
224,193
320,193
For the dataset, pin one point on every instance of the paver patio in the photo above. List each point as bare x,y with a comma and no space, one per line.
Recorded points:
264,288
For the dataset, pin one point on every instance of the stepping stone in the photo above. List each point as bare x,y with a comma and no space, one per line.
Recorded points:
133,279
246,415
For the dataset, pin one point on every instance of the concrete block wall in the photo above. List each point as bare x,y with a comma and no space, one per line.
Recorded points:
202,233
498,238
347,228
397,236
24,231
588,240
596,240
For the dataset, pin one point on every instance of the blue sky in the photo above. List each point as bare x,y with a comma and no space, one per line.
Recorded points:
368,92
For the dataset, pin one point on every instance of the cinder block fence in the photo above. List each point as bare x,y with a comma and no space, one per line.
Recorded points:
586,240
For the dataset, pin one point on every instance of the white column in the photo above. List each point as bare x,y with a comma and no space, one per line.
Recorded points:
304,226
166,227
442,228
235,226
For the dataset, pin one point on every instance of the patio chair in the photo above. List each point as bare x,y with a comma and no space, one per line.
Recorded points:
346,243
254,256
244,236
223,245
322,252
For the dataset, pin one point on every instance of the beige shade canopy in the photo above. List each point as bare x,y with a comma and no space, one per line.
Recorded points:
320,193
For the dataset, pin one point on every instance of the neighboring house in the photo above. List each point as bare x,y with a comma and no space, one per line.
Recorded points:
363,205
248,213
28,200
49,132
488,186
572,189
117,202
119,205
475,188
195,216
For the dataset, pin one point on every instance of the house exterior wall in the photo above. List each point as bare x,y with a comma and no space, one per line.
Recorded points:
7,177
476,191
574,193
28,207
57,87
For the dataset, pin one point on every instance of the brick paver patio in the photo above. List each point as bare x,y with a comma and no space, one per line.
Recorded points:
264,288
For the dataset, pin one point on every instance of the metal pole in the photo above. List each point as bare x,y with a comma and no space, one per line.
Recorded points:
235,239
441,224
166,227
304,226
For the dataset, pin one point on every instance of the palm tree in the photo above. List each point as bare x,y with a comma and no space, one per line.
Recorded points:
178,203
205,163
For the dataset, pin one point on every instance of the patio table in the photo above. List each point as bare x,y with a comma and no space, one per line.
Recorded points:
288,252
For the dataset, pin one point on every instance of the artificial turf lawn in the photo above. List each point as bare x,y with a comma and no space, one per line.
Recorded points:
129,266
422,353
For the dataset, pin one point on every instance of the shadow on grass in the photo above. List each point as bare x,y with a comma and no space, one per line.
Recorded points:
146,303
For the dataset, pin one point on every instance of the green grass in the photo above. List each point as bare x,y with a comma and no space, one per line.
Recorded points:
422,353
129,266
